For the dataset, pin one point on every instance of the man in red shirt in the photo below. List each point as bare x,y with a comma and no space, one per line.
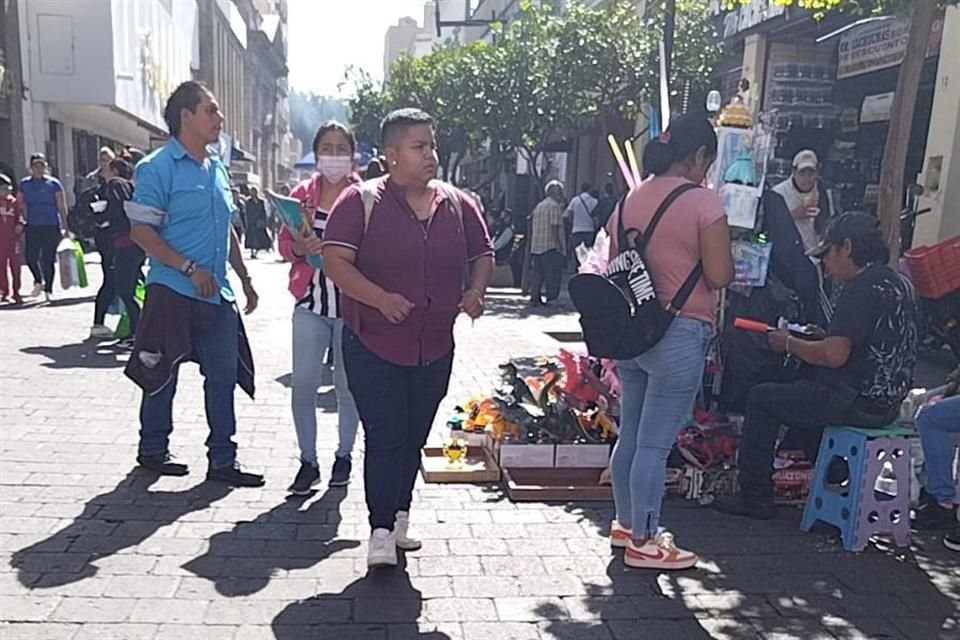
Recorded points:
11,228
401,270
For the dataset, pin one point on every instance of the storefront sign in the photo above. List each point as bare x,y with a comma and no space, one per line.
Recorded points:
876,108
746,16
879,45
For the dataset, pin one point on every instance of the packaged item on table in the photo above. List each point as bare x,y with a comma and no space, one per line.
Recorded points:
792,477
751,261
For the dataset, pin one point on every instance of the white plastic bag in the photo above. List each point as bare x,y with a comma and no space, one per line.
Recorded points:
67,261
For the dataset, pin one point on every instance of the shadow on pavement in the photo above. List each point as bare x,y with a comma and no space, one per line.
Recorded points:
81,355
241,562
517,306
121,518
37,303
758,580
368,605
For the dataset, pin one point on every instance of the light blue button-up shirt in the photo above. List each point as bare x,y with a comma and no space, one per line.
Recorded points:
190,205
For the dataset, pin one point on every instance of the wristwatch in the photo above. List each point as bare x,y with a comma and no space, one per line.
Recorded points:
189,268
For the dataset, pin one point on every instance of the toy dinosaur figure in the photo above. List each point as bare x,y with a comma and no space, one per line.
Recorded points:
513,389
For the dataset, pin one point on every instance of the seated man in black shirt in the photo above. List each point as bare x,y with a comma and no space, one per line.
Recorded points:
863,367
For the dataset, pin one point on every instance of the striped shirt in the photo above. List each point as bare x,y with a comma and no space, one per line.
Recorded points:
322,297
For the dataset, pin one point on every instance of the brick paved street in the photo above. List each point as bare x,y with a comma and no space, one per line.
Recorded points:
94,549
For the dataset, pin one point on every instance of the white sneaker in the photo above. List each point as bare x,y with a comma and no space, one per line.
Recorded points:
48,297
659,552
100,332
37,290
383,549
619,535
401,527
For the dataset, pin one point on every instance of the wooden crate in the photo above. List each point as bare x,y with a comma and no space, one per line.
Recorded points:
555,484
479,466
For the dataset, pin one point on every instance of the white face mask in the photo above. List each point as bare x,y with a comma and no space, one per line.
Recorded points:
334,168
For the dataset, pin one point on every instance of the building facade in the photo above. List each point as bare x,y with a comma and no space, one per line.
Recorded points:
94,74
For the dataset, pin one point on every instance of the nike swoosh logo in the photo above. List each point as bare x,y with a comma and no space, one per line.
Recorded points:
660,555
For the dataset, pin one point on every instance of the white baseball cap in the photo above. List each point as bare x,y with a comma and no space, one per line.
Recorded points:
806,159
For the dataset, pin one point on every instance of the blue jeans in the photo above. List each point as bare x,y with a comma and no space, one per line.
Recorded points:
398,405
313,335
216,349
659,388
935,424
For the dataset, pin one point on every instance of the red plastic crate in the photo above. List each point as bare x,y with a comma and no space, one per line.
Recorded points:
935,270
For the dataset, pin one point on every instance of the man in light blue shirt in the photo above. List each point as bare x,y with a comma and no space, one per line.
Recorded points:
180,215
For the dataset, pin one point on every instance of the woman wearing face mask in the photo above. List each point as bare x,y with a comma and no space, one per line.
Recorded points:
316,317
660,385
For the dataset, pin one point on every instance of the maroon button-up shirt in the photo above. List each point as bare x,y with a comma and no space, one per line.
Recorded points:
425,263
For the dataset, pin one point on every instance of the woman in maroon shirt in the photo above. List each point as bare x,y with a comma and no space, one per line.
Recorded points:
400,272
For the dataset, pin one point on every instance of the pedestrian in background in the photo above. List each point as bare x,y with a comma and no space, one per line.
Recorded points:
583,225
317,327
400,250
11,229
180,215
255,219
98,177
120,258
44,204
547,246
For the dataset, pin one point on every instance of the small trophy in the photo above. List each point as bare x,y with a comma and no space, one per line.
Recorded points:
455,452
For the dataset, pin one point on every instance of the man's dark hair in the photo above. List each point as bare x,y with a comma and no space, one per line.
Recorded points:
122,168
863,232
186,96
585,187
333,125
399,121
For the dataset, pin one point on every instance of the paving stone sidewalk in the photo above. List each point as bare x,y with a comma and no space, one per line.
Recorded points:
95,549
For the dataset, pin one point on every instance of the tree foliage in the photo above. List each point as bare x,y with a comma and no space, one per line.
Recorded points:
367,105
549,73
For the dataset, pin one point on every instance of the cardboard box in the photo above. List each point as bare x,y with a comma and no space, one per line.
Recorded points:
480,439
582,455
478,467
545,485
526,455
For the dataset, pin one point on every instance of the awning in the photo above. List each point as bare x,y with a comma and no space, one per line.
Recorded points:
308,161
239,154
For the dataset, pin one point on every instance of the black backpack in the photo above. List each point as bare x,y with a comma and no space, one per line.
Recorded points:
83,222
620,314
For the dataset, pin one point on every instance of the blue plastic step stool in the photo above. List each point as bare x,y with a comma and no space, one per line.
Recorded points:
855,507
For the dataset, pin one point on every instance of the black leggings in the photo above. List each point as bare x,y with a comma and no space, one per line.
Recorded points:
41,253
121,272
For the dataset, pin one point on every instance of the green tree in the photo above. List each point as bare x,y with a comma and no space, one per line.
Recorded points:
367,105
442,83
922,14
552,73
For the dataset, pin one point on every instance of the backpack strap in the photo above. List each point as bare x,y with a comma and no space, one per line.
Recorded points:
675,305
368,194
662,209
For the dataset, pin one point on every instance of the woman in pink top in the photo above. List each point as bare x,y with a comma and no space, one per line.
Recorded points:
317,323
660,385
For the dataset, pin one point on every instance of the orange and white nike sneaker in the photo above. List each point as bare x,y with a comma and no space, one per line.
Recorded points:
658,553
619,535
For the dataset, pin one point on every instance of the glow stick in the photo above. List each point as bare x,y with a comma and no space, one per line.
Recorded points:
632,158
664,91
627,175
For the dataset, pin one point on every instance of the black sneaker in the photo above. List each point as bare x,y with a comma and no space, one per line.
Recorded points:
307,478
340,476
930,515
951,540
756,508
235,476
165,465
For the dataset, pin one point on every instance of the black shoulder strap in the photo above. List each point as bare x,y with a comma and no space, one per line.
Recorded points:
662,209
686,289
